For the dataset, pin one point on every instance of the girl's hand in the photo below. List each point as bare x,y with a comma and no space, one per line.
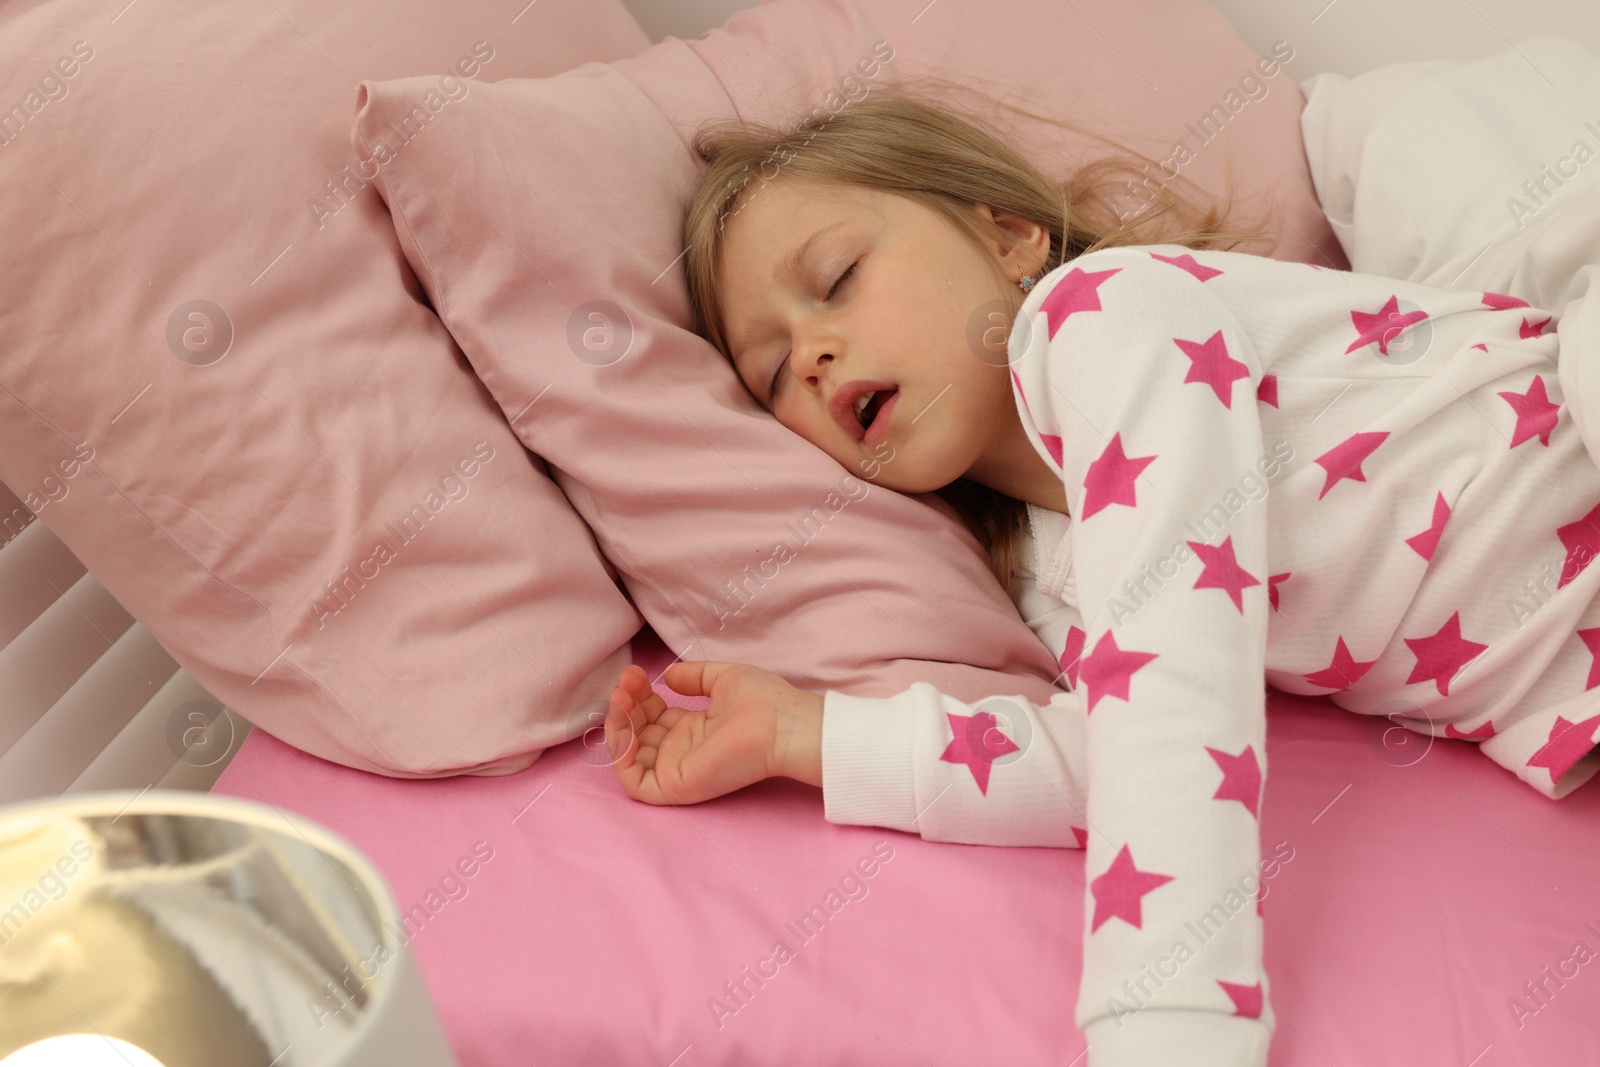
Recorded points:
758,726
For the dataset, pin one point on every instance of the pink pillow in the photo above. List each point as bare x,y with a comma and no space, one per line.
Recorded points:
221,387
544,220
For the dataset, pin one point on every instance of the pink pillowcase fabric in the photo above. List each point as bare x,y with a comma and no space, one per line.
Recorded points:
222,388
544,219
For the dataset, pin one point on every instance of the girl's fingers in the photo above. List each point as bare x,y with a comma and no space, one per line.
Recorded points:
653,706
631,717
695,678
622,741
633,681
632,779
638,723
636,684
669,718
634,750
621,734
655,715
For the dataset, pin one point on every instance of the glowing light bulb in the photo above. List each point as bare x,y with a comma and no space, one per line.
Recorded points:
81,1050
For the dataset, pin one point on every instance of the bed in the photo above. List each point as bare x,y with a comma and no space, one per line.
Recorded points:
1419,890
1422,905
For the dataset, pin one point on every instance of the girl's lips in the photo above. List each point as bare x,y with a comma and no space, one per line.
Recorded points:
841,405
880,424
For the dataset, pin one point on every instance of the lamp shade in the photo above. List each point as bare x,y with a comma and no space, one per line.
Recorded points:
199,930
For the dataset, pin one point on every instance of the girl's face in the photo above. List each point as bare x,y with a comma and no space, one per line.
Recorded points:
887,295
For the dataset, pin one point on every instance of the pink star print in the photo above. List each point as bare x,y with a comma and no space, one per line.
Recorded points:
1533,329
1383,326
1246,998
1222,571
1107,669
1052,442
1425,542
1211,364
1591,641
1241,777
1343,672
1272,587
1052,445
1110,478
1442,654
1118,893
1078,291
1500,301
1020,393
1072,654
1482,733
1344,460
1082,836
1188,263
1267,391
1582,541
1536,416
977,742
1568,743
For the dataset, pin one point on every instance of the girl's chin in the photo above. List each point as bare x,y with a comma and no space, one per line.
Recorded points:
912,482
903,467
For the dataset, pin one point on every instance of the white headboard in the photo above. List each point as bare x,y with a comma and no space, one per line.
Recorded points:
1350,36
1344,36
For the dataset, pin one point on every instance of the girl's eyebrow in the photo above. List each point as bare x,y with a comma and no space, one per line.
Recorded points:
786,268
791,265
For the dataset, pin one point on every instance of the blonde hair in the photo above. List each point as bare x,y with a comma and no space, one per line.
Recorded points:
900,140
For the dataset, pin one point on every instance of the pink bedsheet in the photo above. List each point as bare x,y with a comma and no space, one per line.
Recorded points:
1426,887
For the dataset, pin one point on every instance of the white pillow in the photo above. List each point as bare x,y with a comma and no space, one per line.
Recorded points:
1478,175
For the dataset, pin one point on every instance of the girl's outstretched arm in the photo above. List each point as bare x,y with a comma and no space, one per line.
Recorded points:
879,764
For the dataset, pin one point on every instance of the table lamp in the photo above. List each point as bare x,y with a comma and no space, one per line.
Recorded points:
178,929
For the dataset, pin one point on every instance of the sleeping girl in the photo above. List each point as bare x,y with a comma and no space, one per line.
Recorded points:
1197,469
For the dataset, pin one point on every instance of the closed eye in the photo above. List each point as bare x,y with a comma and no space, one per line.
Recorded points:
841,280
772,387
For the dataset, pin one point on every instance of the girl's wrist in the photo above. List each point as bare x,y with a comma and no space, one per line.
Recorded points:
799,738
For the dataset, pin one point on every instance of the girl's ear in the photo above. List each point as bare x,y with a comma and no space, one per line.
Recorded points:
1017,241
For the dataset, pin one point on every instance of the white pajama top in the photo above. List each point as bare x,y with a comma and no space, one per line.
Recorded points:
1330,482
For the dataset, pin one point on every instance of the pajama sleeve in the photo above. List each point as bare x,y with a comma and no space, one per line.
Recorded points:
1139,385
1000,772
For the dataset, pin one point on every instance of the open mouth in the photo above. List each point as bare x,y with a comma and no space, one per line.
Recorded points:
871,412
